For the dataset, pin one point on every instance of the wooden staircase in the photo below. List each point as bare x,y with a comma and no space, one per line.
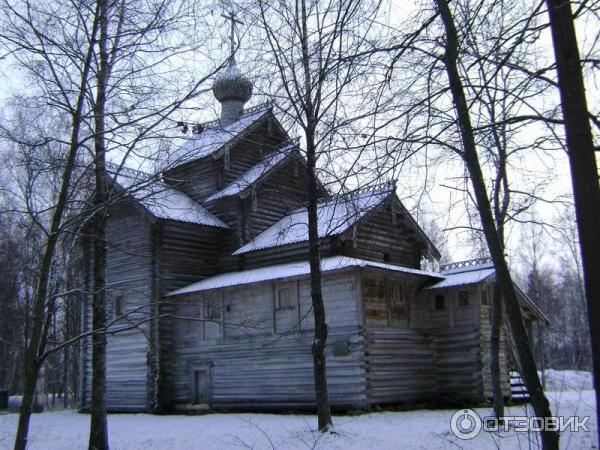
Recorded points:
518,391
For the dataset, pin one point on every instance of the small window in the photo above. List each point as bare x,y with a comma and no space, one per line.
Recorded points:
212,309
396,304
463,299
440,302
284,298
484,298
386,257
119,306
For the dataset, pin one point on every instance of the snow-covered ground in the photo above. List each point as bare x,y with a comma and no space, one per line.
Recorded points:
571,394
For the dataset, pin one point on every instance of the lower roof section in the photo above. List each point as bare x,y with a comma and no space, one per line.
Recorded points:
288,270
461,277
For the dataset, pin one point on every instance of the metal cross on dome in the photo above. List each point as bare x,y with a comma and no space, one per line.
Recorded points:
231,16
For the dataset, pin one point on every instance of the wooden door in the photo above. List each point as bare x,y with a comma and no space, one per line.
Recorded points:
201,387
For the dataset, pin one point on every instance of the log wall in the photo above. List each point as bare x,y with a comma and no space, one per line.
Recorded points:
385,236
264,359
458,362
129,275
400,365
186,253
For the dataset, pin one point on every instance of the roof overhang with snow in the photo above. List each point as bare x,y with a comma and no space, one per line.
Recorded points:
464,277
159,199
290,270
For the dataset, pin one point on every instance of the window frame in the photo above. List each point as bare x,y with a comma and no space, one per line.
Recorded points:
396,301
292,303
463,301
485,297
436,303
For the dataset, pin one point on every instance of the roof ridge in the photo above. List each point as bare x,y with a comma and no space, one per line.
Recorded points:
378,187
352,195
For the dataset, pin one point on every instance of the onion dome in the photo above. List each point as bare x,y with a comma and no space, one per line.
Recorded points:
232,89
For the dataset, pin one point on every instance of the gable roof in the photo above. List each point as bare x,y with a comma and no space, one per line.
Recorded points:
161,200
281,271
258,172
334,217
215,136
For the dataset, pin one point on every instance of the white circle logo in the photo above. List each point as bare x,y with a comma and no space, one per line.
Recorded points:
465,424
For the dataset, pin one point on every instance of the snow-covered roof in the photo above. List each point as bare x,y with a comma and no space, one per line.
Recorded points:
161,200
215,136
464,276
257,172
334,217
288,270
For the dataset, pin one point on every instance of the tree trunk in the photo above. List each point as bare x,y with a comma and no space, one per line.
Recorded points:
36,344
98,423
517,327
320,338
65,378
495,352
584,170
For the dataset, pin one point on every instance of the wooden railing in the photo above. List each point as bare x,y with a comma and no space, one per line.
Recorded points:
466,263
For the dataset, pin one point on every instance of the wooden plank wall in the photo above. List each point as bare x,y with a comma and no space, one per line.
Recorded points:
198,179
440,355
186,253
245,154
255,366
281,193
380,235
128,273
201,178
457,344
400,365
458,362
85,355
285,254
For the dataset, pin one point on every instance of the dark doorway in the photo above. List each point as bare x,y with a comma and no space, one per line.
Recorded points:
201,387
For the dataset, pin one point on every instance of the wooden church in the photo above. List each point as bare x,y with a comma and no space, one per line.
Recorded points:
208,284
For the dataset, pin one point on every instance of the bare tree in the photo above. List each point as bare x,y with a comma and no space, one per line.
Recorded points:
57,46
471,159
314,52
98,423
24,39
582,159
